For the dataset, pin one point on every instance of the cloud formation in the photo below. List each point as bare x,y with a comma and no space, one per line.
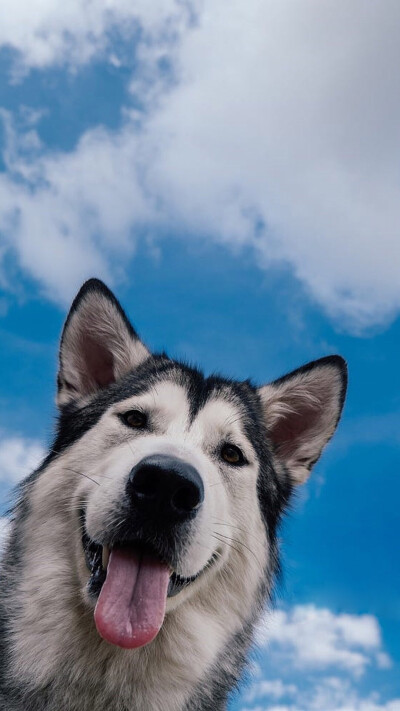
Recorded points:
278,134
328,694
67,216
43,33
324,655
316,638
18,457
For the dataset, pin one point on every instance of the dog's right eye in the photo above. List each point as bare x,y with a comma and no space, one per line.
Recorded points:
232,454
135,419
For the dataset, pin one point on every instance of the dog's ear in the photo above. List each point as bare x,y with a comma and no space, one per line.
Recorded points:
302,410
98,344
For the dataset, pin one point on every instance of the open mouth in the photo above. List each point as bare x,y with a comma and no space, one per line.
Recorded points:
131,584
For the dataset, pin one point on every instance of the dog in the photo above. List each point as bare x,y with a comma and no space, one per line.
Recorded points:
143,549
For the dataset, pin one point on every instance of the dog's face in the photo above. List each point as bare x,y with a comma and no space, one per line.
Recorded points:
180,479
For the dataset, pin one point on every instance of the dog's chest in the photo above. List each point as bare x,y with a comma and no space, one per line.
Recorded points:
160,680
82,697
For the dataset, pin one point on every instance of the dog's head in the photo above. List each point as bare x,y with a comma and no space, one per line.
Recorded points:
180,479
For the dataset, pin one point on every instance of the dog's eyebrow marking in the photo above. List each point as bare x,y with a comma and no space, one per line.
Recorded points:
219,418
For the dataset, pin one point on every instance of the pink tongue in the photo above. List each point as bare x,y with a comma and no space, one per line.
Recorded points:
131,606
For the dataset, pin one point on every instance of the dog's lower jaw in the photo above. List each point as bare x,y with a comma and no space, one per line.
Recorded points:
170,674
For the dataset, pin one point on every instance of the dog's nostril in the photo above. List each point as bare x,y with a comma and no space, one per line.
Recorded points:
186,499
146,486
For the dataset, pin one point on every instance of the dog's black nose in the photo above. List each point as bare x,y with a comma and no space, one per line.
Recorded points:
165,486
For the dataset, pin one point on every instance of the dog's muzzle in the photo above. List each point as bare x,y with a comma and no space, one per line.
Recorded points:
133,565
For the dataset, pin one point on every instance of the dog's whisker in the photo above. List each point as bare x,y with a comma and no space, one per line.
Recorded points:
226,543
131,447
239,542
68,469
239,528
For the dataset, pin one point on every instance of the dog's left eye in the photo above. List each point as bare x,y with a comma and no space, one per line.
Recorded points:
135,419
232,454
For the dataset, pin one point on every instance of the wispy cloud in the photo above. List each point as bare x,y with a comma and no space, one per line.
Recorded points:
328,694
278,134
43,34
316,638
18,457
320,658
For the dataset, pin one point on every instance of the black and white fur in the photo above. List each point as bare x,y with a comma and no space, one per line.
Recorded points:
52,658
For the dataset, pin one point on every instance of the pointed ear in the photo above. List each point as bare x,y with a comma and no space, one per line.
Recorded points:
302,410
98,344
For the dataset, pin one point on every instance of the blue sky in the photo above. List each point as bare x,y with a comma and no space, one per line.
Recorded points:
236,184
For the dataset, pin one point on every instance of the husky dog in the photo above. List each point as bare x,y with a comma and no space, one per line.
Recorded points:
144,547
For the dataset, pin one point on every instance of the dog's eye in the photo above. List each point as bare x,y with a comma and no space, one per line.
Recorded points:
232,454
135,418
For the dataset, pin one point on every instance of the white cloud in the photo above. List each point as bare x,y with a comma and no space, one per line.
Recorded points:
287,116
323,694
327,694
68,216
316,638
279,135
44,33
319,658
274,688
18,457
